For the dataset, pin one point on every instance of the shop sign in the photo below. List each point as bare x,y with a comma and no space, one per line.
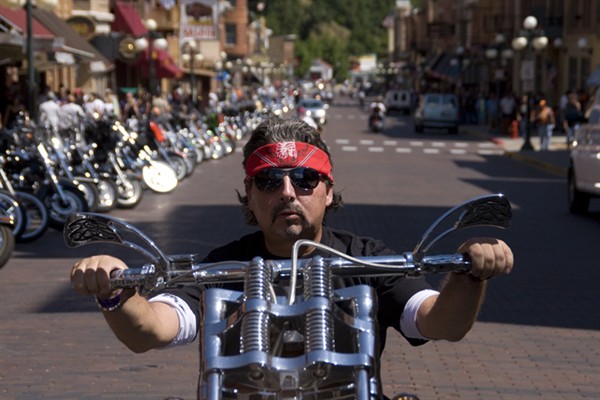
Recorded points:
84,26
64,58
127,48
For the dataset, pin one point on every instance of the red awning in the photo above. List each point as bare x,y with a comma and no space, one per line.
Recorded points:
127,20
164,65
18,18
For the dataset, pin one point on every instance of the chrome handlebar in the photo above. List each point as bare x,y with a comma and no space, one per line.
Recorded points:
165,270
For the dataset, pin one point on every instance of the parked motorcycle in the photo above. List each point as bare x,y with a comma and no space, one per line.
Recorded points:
7,239
257,344
35,214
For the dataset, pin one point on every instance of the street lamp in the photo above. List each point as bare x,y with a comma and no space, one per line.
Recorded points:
152,43
220,67
192,56
499,54
457,63
529,39
584,60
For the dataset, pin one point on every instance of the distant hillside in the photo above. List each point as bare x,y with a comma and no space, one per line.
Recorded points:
330,29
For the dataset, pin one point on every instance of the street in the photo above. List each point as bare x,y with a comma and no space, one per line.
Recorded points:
538,335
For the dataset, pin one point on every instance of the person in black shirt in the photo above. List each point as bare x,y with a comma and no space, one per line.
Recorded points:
289,188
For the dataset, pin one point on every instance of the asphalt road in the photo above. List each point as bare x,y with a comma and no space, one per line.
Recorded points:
538,334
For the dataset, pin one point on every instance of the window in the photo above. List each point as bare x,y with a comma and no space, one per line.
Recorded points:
230,34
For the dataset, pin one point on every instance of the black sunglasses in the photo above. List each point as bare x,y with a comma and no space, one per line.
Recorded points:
269,179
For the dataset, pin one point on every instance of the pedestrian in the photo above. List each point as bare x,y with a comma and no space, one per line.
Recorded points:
524,116
49,112
288,191
491,107
572,117
545,121
15,108
130,107
72,114
508,107
93,105
111,104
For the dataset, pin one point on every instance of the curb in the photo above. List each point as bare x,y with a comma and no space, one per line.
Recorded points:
520,156
547,166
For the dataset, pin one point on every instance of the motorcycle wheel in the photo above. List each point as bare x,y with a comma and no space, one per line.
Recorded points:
190,161
229,146
199,155
130,193
59,210
7,244
178,164
37,217
11,207
90,194
160,177
107,195
218,151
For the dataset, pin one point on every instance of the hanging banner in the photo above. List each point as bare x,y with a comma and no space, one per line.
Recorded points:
198,20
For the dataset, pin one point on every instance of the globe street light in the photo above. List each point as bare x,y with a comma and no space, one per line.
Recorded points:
151,44
530,39
192,56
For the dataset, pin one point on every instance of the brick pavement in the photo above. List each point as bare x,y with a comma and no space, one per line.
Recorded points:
55,346
65,351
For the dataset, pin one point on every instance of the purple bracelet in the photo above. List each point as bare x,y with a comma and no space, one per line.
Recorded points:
111,304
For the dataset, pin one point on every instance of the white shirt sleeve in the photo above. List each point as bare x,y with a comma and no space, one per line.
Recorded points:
408,319
187,319
186,332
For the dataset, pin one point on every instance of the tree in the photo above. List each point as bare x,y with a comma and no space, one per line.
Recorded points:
332,30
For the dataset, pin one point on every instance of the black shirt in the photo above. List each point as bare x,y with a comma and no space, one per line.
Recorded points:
392,292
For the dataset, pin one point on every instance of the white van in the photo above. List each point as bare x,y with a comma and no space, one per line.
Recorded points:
398,100
584,168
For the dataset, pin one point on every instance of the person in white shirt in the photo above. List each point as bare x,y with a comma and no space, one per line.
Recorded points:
49,112
72,114
94,105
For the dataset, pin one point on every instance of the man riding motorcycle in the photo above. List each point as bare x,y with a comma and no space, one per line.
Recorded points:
377,112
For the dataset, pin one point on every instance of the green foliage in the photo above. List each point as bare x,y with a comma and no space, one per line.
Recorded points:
332,30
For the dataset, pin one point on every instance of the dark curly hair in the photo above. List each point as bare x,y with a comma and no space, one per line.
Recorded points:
275,130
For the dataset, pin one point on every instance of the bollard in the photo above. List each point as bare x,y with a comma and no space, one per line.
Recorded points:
514,129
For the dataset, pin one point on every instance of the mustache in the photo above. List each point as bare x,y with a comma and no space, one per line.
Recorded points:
286,207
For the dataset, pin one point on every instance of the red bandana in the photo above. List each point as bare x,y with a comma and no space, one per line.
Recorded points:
288,155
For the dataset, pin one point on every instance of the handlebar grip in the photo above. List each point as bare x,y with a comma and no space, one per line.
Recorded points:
141,278
446,263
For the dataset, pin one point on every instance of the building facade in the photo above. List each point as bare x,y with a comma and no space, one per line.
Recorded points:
477,37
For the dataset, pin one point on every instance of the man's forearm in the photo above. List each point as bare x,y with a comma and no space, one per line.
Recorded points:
451,314
141,325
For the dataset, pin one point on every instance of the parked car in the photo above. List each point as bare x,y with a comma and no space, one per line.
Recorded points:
314,108
398,100
583,176
437,110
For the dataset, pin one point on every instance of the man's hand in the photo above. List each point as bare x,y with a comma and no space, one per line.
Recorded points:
489,257
91,276
139,324
451,315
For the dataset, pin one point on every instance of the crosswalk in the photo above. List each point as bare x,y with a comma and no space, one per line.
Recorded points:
430,147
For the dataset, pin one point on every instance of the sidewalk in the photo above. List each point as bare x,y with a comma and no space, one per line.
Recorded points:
556,160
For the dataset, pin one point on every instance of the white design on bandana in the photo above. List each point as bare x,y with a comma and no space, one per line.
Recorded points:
286,150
